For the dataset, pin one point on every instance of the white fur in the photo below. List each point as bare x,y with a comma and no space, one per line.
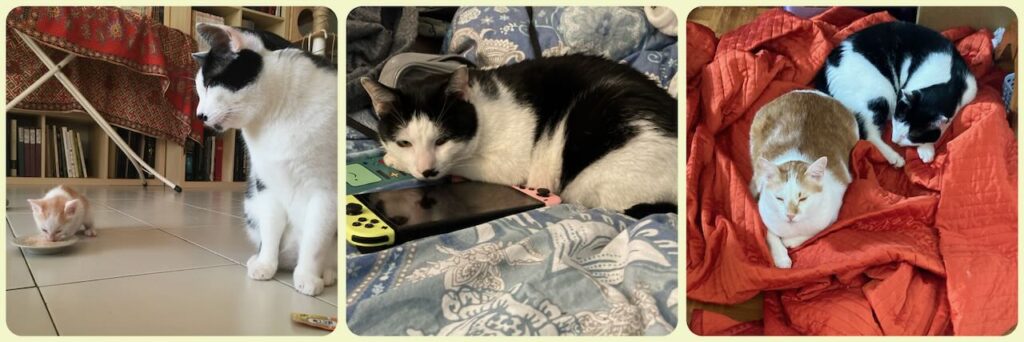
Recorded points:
288,118
644,170
816,213
871,85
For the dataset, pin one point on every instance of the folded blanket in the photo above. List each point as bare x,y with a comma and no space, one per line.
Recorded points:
563,270
373,34
926,249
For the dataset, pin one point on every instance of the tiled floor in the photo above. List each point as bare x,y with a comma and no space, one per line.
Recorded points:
163,264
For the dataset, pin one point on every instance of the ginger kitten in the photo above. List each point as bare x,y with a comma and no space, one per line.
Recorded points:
61,213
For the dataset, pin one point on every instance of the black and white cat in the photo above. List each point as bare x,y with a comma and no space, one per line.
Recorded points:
596,132
901,72
284,101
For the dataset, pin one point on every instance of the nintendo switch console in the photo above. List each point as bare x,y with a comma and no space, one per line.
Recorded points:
381,219
369,173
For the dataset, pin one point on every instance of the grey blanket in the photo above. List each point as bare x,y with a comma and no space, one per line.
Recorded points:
374,34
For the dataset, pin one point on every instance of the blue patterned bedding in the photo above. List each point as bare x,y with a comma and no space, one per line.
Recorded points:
563,270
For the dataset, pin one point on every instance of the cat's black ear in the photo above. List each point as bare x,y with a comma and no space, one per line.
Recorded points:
200,57
382,97
910,98
458,84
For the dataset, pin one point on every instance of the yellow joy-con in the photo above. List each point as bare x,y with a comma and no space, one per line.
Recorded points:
364,228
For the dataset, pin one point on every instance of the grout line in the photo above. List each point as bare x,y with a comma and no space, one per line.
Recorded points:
47,307
198,245
136,275
211,210
34,283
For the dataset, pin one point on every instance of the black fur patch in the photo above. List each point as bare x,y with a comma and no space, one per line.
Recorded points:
231,70
250,222
880,108
255,186
640,211
428,96
598,96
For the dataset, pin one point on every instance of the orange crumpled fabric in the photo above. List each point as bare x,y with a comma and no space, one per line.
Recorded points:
929,249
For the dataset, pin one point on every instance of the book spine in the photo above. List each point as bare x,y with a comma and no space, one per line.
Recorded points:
21,152
37,149
218,163
69,153
81,156
56,155
12,149
34,147
77,145
150,154
29,153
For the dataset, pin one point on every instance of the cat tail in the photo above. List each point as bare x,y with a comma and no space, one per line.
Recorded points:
642,210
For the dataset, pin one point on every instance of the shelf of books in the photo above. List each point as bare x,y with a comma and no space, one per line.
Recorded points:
43,146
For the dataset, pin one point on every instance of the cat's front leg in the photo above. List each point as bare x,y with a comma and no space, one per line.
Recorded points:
926,152
269,219
87,227
321,227
875,137
780,254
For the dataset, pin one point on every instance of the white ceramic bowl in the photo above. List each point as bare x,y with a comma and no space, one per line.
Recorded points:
38,244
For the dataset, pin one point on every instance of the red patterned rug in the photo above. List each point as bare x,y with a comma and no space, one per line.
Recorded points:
136,72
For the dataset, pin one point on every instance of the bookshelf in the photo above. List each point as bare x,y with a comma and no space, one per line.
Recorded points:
102,156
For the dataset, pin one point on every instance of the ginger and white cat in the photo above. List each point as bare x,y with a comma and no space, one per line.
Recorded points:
62,213
800,145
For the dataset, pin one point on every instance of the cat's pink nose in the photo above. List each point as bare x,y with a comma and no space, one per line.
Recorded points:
790,217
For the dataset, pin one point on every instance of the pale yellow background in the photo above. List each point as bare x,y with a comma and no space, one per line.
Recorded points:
341,8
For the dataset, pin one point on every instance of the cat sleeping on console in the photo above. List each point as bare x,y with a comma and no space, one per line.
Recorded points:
284,102
800,146
596,132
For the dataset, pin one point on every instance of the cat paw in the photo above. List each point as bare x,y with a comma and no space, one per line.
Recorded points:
926,152
782,261
90,233
330,276
260,270
389,161
895,159
308,284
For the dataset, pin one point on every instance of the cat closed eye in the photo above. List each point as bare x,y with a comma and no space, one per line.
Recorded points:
441,141
779,198
404,143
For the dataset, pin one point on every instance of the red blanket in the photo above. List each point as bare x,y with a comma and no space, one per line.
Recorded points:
137,73
929,249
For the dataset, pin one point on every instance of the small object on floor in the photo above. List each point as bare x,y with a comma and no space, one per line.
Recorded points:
41,244
318,321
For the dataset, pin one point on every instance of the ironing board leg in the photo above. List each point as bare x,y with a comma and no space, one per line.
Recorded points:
42,79
55,69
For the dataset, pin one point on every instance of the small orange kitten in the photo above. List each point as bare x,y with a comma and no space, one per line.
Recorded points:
62,213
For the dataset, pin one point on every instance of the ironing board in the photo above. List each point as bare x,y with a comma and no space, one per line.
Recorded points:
147,68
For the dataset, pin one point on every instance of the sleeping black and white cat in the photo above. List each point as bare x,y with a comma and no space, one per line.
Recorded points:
284,102
596,132
901,72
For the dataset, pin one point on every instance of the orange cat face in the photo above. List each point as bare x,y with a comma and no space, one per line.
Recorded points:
55,217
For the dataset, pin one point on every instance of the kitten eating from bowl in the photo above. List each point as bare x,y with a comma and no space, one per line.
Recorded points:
61,214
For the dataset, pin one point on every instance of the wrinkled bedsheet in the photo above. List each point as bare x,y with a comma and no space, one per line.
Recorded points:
563,270
929,249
